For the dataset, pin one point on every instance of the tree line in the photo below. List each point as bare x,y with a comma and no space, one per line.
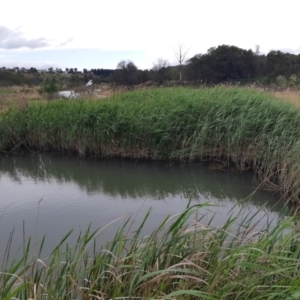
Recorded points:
232,63
218,65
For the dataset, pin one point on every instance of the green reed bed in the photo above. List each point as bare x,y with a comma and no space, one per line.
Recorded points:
240,126
181,259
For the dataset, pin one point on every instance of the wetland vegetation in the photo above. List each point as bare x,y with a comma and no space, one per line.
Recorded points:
181,259
184,257
239,127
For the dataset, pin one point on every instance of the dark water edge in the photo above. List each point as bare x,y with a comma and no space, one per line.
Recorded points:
50,194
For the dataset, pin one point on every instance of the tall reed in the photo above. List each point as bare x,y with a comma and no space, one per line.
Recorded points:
240,126
181,259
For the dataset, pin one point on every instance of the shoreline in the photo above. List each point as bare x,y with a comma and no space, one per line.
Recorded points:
235,126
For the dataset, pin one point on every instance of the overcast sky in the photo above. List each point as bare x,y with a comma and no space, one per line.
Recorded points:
100,33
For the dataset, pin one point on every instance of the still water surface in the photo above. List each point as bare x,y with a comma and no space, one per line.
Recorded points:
48,195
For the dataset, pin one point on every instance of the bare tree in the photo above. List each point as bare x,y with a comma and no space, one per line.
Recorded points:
180,54
257,50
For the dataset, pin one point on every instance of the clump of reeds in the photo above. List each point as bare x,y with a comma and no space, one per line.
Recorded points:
181,259
240,126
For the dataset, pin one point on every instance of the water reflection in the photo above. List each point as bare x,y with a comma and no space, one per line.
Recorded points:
136,179
53,194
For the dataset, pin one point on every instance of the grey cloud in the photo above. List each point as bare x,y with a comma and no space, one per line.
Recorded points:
12,39
69,40
285,50
292,51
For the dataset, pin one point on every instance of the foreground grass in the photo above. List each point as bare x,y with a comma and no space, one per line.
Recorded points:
240,126
181,259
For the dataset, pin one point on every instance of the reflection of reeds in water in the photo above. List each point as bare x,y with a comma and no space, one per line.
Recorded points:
137,180
181,259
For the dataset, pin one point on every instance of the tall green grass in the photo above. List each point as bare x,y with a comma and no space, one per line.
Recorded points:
181,259
240,126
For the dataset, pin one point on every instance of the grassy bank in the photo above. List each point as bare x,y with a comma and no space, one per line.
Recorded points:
181,259
241,126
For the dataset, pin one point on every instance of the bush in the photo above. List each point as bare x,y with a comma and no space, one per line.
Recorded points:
50,86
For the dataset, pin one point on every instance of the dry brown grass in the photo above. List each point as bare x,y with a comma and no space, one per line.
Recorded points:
289,96
18,96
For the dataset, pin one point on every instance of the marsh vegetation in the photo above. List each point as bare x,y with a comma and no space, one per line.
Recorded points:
240,127
185,257
181,259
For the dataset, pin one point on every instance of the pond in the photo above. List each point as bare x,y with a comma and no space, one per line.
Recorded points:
50,194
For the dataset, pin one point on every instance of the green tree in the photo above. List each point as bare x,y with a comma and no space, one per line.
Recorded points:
222,63
126,73
278,63
32,70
